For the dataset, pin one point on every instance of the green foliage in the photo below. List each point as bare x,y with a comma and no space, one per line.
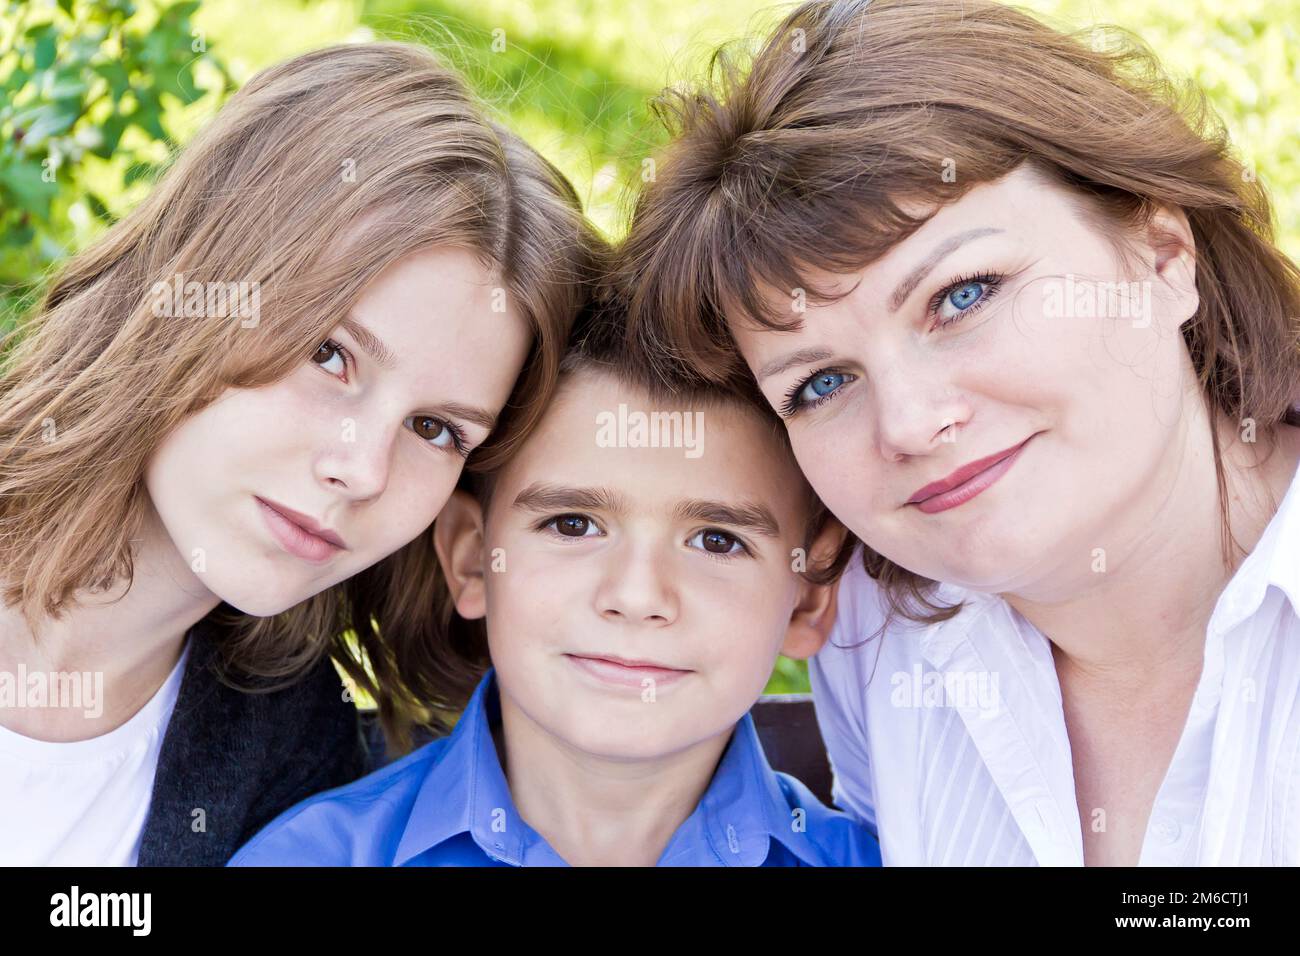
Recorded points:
85,94
96,95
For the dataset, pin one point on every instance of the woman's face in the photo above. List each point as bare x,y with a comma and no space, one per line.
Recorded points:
367,449
1000,324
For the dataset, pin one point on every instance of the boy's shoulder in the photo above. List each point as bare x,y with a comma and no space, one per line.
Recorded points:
834,837
358,824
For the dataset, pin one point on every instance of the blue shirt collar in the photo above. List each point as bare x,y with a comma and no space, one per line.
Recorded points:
741,812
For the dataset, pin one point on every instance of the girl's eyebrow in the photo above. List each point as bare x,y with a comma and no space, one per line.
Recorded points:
543,497
374,347
372,344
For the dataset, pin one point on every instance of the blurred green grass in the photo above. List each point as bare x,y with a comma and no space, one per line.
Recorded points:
575,77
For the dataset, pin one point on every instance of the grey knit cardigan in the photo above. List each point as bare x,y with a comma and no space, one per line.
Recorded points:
231,761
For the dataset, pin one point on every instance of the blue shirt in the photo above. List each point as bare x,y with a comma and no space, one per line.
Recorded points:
448,804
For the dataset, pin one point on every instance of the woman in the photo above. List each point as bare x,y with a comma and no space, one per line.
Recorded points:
1023,317
224,439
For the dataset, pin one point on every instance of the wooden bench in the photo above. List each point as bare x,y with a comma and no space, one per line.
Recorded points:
786,725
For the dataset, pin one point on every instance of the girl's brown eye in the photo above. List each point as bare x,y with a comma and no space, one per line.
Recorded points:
328,352
429,428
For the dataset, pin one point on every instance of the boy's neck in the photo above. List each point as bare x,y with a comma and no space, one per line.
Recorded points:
594,811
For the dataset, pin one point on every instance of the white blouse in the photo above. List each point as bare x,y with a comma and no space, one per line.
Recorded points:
949,740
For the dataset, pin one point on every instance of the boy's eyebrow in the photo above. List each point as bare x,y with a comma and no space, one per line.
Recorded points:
751,516
948,246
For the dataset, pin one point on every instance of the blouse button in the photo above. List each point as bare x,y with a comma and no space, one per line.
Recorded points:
1167,830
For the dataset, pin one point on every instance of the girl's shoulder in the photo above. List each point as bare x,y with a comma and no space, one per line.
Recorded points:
356,824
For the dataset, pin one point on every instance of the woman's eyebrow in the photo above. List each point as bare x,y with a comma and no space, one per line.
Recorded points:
948,246
901,292
542,497
798,357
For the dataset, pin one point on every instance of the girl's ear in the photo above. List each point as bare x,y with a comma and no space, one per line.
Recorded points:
814,614
458,539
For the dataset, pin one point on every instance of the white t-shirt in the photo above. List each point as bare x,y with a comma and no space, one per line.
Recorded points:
82,803
949,742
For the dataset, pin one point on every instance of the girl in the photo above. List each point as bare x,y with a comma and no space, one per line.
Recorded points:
1025,322
225,436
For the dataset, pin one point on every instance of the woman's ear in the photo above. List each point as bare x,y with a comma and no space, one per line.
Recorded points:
1173,261
814,614
458,539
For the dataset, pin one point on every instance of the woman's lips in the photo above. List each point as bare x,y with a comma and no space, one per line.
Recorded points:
295,539
972,486
626,674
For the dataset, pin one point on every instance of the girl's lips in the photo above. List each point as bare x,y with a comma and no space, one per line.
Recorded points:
298,541
972,486
626,674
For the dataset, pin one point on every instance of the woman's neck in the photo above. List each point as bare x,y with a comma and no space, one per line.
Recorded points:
595,811
127,639
1147,612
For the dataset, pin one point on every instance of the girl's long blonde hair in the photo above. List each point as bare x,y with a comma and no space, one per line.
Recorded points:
315,176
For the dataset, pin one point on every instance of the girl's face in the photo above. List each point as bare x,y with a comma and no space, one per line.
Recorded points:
367,446
1002,325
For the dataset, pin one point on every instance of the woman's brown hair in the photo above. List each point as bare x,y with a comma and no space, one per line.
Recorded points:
313,178
804,156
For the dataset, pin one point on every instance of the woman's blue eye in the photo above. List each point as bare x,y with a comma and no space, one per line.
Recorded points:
961,298
966,295
812,392
819,386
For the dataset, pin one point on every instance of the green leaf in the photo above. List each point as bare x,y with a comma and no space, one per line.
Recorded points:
110,135
49,120
115,72
45,50
23,181
98,208
138,171
181,11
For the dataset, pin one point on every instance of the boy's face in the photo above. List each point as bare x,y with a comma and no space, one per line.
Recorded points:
679,565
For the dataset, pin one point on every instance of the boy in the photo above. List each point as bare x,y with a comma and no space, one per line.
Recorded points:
638,575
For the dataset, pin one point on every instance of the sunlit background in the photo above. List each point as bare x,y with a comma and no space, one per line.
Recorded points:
97,96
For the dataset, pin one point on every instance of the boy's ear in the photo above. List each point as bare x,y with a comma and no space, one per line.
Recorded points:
814,614
458,539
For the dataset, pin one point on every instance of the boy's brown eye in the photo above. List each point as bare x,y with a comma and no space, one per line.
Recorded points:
574,526
718,542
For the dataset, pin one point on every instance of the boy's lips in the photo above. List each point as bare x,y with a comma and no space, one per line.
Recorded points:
626,673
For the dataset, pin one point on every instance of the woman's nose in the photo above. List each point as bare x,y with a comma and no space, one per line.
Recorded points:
915,413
